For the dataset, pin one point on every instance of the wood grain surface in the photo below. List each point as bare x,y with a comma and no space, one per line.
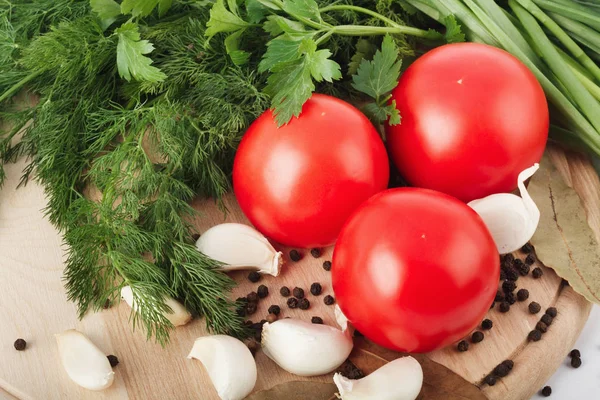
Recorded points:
33,306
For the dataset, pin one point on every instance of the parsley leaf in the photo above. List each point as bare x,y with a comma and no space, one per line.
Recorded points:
131,61
364,50
303,8
224,20
282,49
322,68
277,25
255,11
143,8
107,10
454,32
232,46
380,113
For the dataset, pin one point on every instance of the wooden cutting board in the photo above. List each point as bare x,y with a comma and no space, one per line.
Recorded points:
33,306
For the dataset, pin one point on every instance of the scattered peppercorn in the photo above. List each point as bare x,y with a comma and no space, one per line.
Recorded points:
295,255
522,294
547,319
527,248
502,275
253,347
504,307
271,318
258,327
327,265
254,277
477,337
252,297
510,298
113,360
552,311
534,335
517,263
262,291
508,286
328,300
284,291
530,259
242,304
195,237
499,296
304,304
316,320
274,309
20,344
463,345
501,370
107,304
575,362
575,353
508,258
316,253
511,274
248,323
493,304
537,273
534,307
350,371
546,391
524,269
251,308
490,380
487,324
542,327
316,289
298,292
292,302
509,364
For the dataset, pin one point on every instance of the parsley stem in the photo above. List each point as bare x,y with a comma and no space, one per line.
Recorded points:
363,10
10,92
324,37
357,30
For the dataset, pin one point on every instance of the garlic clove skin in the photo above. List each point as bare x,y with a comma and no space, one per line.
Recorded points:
240,246
303,348
85,364
229,363
400,379
511,220
179,315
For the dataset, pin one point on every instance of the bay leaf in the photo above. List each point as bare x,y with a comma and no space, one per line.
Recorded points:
297,391
564,240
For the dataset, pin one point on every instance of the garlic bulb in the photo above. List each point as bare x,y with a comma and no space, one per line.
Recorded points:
400,379
85,364
229,363
179,315
240,246
303,348
512,220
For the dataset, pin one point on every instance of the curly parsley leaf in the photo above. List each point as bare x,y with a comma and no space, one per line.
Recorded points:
107,11
131,59
143,8
454,33
224,20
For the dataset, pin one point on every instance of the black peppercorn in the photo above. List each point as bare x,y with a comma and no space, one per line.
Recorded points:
575,353
530,259
292,302
195,237
547,319
463,345
493,304
284,291
518,263
477,337
107,304
327,265
501,370
537,273
534,335
298,292
487,324
511,274
522,294
251,308
502,275
253,347
552,311
509,364
546,391
328,300
262,291
534,307
20,344
113,360
316,289
254,277
274,309
508,286
575,362
504,307
490,380
316,320
542,327
508,258
527,248
295,255
252,297
524,269
241,307
271,318
304,304
257,327
499,296
248,323
510,298
316,253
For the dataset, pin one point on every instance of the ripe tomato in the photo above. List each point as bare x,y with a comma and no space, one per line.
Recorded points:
473,117
415,269
298,184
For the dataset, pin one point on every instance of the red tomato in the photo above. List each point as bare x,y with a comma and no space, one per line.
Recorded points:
473,117
298,184
415,269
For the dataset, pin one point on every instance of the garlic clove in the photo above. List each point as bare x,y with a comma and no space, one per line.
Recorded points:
303,348
400,379
229,363
240,246
179,315
85,364
341,319
511,220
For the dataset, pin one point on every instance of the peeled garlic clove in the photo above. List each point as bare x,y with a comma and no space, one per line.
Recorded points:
340,318
229,363
400,379
85,364
303,348
512,220
179,315
240,246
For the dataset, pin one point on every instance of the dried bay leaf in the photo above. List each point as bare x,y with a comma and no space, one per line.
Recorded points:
297,391
564,240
